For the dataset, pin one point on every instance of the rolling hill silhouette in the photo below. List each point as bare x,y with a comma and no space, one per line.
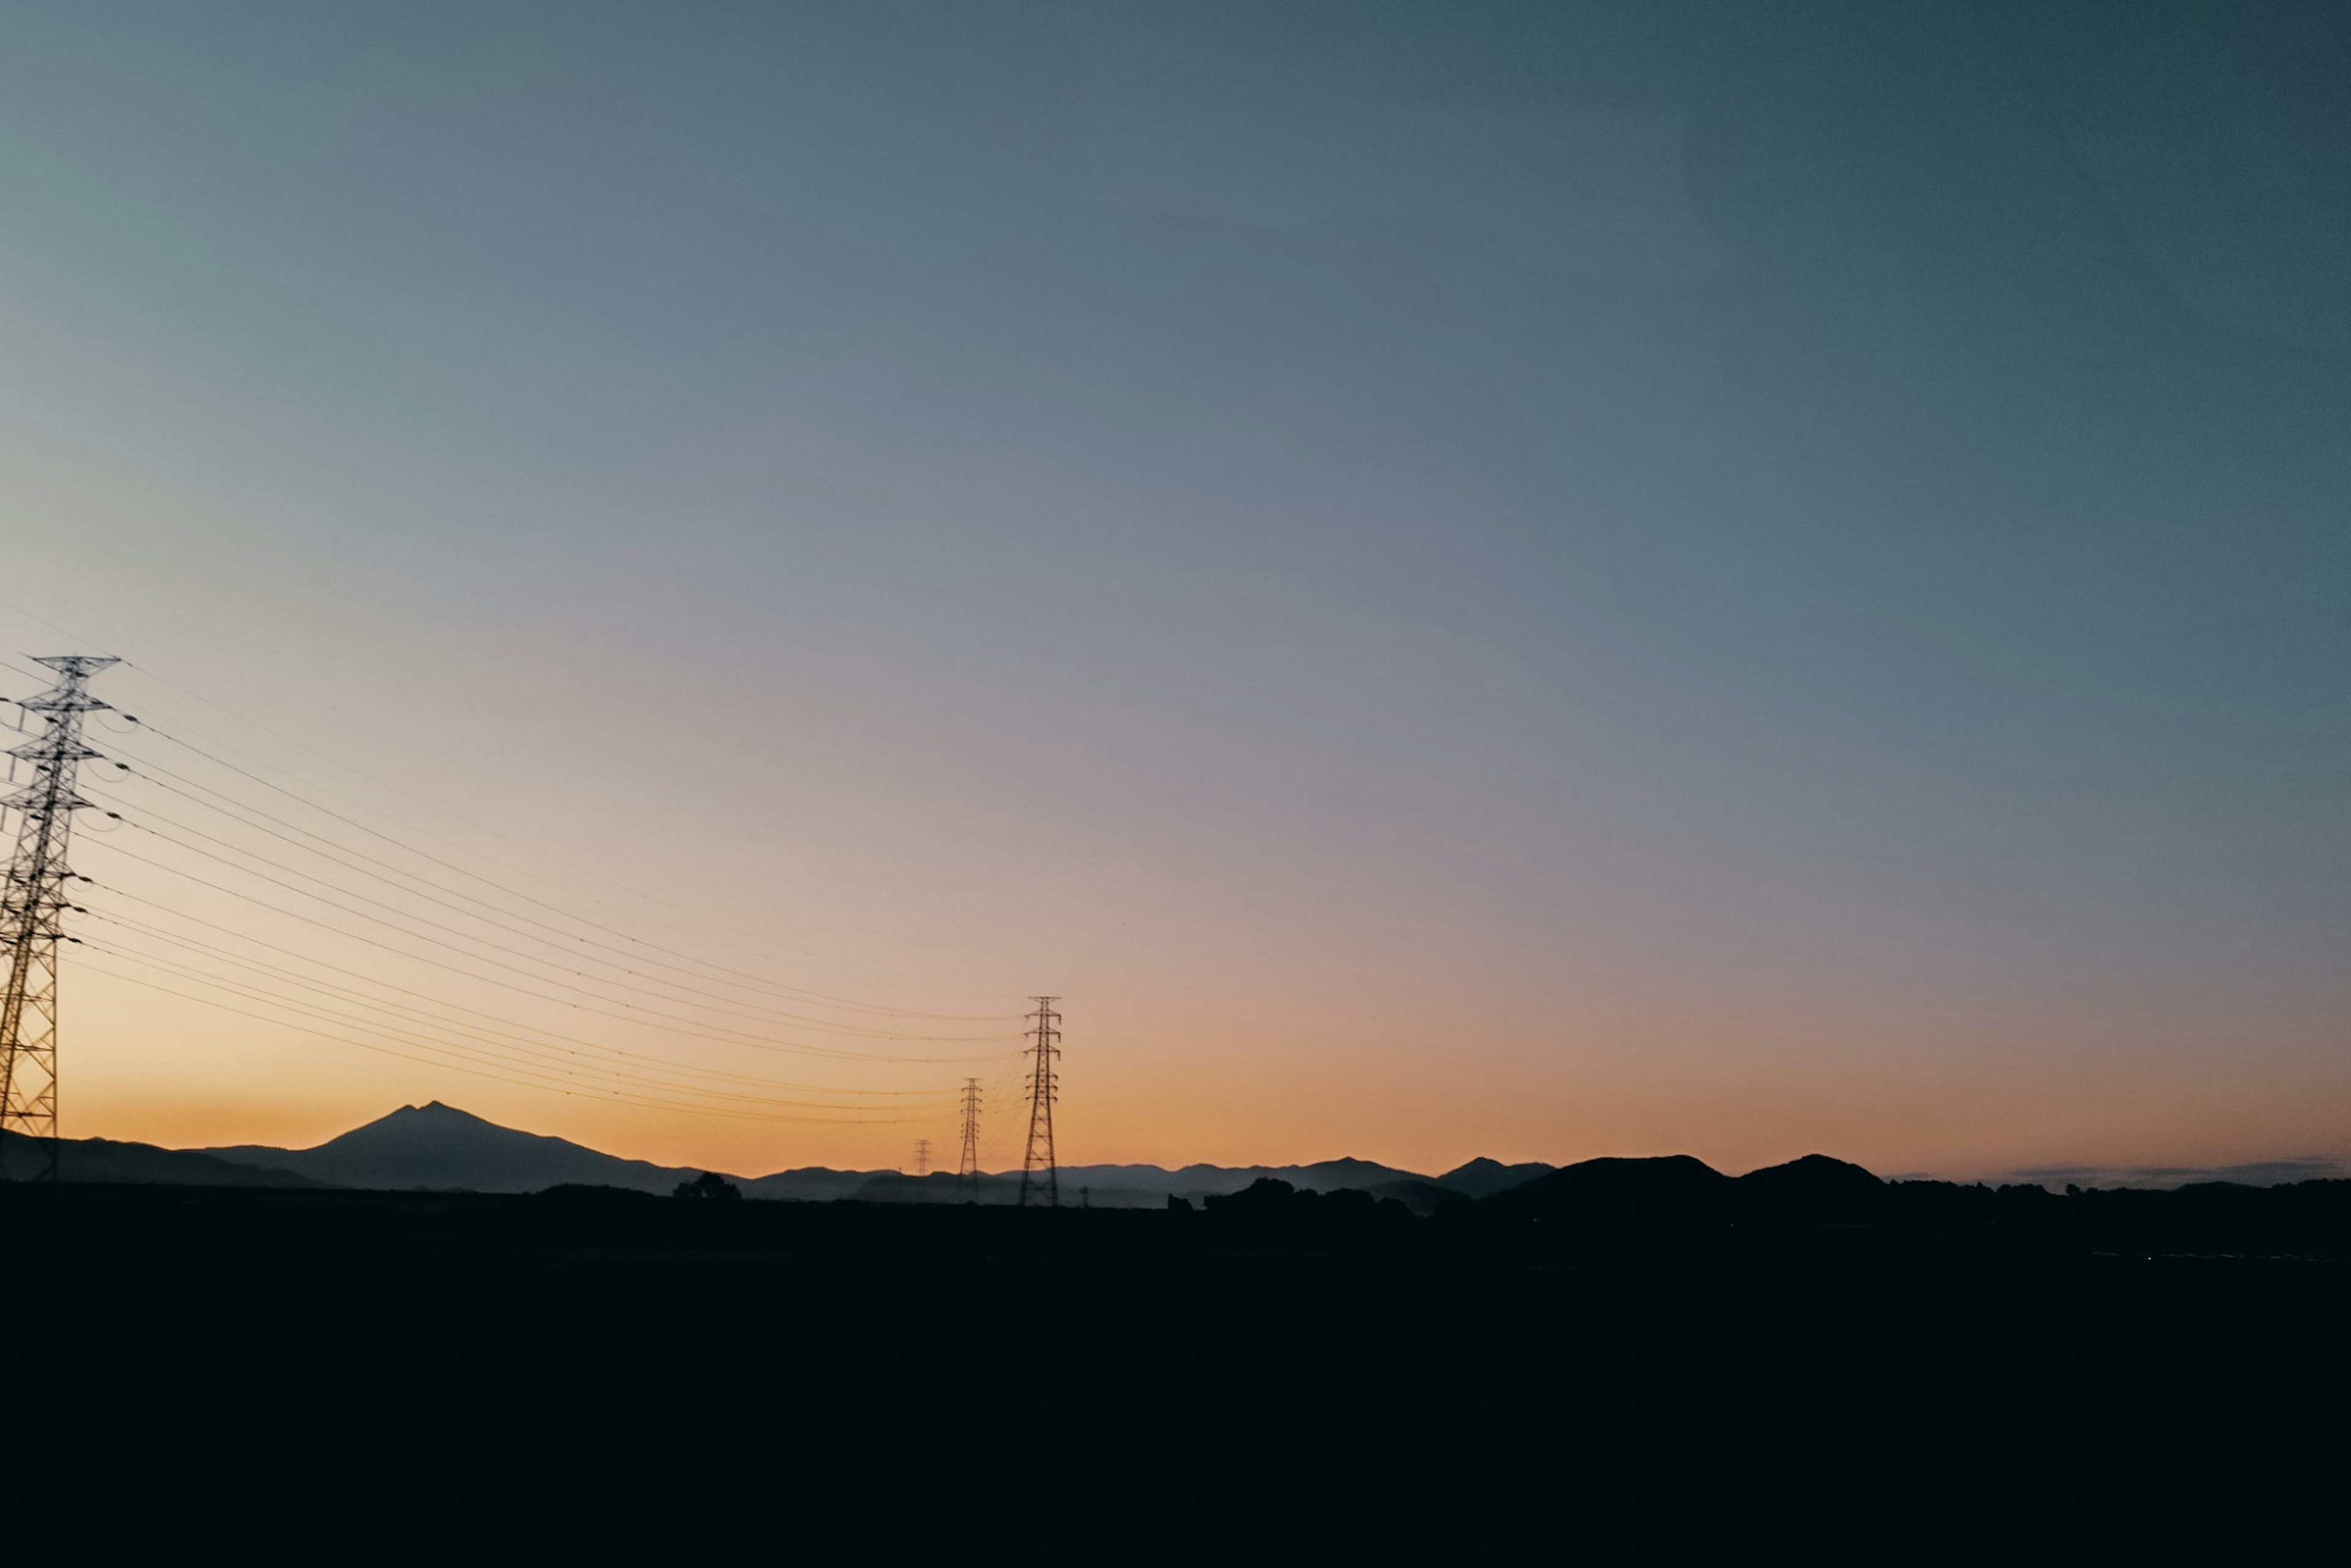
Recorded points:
1150,1186
1675,1184
439,1147
104,1160
812,1184
1677,1190
1815,1188
1482,1177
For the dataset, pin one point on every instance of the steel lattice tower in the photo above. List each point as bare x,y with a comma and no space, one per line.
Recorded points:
968,1166
1044,1088
32,907
922,1156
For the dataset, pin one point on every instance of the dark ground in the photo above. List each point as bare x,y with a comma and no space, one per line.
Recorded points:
346,1375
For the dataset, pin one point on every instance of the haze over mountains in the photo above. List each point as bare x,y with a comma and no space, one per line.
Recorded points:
437,1148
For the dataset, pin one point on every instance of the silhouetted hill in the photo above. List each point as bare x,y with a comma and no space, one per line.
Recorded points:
1673,1194
941,1186
1482,1177
1420,1196
1666,1183
1150,1186
105,1160
1125,1186
1815,1188
439,1147
809,1184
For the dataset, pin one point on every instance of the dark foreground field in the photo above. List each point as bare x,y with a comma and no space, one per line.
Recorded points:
345,1374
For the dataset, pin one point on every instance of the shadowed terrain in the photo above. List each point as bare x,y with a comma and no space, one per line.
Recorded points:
440,1148
1635,1357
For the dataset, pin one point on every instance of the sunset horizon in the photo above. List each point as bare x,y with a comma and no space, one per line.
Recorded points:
1313,779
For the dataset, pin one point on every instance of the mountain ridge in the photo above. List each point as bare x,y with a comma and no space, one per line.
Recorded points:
435,1147
113,1162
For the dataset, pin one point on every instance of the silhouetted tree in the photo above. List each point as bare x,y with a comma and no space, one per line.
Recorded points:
1267,1195
709,1184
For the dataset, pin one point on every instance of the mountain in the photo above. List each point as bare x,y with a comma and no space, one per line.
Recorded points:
103,1160
439,1147
1106,1186
1421,1196
1622,1191
1815,1188
809,1184
1678,1194
1483,1177
1151,1185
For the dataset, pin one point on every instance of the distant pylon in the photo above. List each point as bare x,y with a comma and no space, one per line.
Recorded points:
968,1166
922,1156
1038,1170
32,906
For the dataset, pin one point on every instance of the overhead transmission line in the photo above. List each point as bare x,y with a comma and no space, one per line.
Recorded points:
758,1015
552,1061
643,1018
736,976
479,1048
305,982
237,811
385,784
763,981
556,1086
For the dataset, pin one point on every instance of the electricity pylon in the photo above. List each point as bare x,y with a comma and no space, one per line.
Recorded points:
968,1166
32,905
922,1156
1036,1167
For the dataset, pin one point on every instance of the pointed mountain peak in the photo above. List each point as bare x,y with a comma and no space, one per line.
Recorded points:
439,1147
435,1112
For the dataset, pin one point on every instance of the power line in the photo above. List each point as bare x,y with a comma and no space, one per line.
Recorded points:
572,1042
679,1023
239,811
799,1048
758,1015
385,784
497,1046
558,1088
462,871
569,1065
249,993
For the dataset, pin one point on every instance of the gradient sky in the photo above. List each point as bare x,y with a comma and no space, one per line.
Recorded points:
1539,581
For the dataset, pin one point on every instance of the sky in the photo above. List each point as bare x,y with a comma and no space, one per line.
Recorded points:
1527,580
